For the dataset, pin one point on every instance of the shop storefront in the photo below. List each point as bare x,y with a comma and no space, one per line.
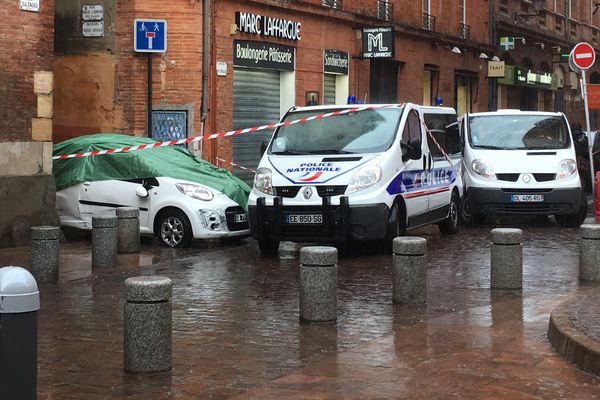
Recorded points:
526,90
335,76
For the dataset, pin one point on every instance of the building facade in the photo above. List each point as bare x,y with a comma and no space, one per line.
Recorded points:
265,56
26,182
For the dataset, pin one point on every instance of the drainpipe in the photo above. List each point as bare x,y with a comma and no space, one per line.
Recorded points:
492,82
204,112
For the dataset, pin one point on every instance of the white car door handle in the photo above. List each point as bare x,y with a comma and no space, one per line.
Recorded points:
86,184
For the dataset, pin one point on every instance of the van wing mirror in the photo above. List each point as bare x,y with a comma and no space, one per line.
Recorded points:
413,149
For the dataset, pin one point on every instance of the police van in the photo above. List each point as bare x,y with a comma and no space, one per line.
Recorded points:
337,174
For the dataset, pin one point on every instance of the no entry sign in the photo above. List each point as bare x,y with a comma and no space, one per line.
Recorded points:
583,55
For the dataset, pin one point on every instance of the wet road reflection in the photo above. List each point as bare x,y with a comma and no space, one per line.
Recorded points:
237,333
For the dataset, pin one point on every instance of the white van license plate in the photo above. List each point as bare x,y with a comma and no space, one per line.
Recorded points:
304,219
240,218
526,198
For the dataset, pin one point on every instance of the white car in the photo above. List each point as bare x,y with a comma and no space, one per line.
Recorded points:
176,210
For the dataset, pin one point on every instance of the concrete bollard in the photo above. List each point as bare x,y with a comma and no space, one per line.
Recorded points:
19,305
589,253
128,229
104,241
409,271
148,320
318,283
507,258
44,253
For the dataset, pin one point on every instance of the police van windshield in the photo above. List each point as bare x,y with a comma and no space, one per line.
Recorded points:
518,132
369,131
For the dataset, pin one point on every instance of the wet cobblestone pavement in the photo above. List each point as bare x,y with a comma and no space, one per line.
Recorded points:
236,332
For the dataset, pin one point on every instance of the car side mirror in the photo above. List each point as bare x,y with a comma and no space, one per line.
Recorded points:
413,149
141,191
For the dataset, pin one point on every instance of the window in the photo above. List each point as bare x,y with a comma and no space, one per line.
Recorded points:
332,3
385,10
444,128
463,12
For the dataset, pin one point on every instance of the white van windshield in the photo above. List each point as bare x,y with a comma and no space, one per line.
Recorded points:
369,131
518,132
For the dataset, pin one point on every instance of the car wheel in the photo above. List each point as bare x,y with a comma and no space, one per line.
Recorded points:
268,246
396,227
574,220
449,226
468,216
174,229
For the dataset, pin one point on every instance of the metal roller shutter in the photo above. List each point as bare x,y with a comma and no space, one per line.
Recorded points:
255,102
329,89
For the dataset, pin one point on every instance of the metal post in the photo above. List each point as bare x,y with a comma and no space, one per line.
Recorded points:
588,131
149,106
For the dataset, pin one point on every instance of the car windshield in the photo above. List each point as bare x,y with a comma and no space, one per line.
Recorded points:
522,132
369,131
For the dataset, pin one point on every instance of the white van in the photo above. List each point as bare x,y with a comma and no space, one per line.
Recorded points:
363,175
522,163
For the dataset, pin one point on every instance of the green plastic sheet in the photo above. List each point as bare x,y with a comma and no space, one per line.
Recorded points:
168,161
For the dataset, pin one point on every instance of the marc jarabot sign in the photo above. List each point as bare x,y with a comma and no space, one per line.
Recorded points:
335,62
264,25
378,42
263,55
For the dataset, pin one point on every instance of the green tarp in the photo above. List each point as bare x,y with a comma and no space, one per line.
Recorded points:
168,161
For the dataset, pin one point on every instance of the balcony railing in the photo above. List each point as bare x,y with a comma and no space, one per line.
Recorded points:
385,10
465,31
428,22
332,3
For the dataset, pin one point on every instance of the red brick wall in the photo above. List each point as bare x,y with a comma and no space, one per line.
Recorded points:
177,74
27,43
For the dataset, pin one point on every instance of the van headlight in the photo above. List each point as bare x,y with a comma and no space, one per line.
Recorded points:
263,180
195,191
483,168
364,178
566,168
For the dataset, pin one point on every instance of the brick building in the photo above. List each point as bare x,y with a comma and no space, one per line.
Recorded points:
265,56
26,182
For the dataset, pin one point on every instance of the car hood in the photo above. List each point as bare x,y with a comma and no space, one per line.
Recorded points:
169,161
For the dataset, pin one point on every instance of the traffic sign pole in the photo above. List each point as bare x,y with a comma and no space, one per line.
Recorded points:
149,95
588,131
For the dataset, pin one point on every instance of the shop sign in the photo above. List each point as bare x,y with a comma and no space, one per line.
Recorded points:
507,43
496,69
526,78
92,13
264,25
93,28
335,62
263,55
378,42
29,5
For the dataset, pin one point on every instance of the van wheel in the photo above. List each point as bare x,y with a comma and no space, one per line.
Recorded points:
468,216
268,246
449,226
396,227
575,220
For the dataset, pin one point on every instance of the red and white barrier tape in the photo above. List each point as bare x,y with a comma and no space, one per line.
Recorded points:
224,162
446,156
218,135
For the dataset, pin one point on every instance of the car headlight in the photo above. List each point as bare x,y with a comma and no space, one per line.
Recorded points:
364,178
566,168
483,168
195,191
263,181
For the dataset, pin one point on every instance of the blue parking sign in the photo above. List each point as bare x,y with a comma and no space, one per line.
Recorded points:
150,35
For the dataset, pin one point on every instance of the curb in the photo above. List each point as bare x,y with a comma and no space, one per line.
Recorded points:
571,343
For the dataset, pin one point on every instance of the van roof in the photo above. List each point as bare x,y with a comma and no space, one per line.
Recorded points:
347,106
514,112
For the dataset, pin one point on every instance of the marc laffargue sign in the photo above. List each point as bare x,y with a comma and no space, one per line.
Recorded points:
268,26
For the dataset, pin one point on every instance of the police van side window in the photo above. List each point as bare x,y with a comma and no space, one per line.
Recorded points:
412,127
444,129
